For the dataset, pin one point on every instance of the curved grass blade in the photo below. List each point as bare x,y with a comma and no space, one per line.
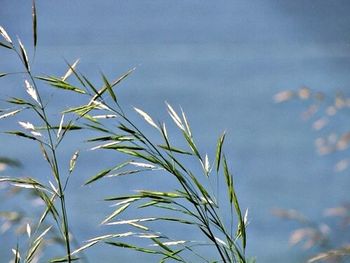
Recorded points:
71,70
5,35
17,255
174,149
147,118
24,55
218,151
64,259
105,172
115,213
22,134
9,114
5,45
234,201
109,87
140,249
61,84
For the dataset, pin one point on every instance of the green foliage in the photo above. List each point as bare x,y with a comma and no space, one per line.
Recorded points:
192,203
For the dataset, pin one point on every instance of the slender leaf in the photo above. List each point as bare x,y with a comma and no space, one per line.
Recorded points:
115,213
61,84
9,114
105,172
35,24
24,55
71,70
5,46
5,35
218,152
126,245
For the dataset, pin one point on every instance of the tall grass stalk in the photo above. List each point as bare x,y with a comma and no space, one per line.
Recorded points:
48,148
193,203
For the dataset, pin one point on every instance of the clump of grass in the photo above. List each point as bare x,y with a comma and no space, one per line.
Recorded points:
48,140
193,203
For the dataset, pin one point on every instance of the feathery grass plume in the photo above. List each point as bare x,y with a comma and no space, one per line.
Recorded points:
31,91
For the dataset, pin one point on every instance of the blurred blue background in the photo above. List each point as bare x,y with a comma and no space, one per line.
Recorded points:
222,61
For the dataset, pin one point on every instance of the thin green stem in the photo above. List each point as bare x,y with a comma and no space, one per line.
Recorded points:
55,168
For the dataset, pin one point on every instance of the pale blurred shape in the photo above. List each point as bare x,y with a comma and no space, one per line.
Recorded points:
343,142
332,138
283,96
323,150
336,211
341,165
2,166
331,110
320,123
311,110
320,142
304,93
340,102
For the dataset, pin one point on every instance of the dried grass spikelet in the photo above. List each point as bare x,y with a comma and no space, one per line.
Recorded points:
5,35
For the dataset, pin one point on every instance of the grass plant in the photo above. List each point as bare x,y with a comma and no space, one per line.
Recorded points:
193,203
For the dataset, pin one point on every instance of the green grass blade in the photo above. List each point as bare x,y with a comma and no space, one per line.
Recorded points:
115,213
24,55
109,88
234,201
90,244
174,149
105,172
35,24
5,45
71,69
136,248
22,134
9,114
33,249
60,83
64,259
218,152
